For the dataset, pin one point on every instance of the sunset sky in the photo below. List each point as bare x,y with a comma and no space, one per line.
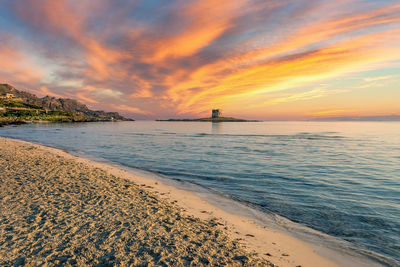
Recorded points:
260,59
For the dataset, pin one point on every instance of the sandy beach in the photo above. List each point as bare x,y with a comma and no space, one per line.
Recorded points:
59,209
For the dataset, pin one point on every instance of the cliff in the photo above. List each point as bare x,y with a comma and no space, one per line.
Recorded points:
23,104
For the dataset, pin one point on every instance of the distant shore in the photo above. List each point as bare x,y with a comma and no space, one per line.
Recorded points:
62,209
218,119
16,121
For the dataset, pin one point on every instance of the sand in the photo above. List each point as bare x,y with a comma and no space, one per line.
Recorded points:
59,209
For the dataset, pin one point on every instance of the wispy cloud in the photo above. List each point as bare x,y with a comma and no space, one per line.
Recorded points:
108,93
328,113
372,79
19,67
125,108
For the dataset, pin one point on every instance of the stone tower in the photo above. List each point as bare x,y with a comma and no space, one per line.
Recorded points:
216,113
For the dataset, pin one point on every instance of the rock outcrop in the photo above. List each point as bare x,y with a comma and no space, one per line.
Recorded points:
61,104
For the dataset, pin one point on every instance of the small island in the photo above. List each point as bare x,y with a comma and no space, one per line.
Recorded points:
19,107
216,116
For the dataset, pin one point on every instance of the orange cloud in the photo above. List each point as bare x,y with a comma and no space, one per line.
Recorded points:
206,21
100,59
60,17
86,99
372,79
200,54
252,76
143,93
130,109
18,67
46,92
334,112
301,96
289,72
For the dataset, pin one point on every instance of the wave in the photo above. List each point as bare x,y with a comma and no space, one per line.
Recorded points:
292,136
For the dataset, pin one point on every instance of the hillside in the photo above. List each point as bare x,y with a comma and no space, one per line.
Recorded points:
19,107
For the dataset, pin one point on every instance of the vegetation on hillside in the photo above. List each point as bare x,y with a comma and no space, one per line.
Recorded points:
15,112
18,107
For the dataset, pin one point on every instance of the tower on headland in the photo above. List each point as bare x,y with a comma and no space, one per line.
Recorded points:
216,113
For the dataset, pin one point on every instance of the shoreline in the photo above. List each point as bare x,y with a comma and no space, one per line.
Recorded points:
328,247
280,248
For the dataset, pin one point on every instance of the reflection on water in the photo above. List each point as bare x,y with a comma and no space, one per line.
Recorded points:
216,127
341,178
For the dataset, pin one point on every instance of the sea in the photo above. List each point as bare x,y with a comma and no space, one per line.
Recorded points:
338,179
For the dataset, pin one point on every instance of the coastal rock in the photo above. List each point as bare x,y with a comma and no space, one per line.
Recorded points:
62,104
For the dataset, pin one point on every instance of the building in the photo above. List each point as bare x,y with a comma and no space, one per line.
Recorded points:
7,96
216,113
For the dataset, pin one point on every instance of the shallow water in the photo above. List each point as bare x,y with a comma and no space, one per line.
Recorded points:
340,178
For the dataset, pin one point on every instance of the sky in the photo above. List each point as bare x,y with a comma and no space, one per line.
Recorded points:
254,59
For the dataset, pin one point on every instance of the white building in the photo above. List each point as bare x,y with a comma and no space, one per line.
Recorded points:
7,96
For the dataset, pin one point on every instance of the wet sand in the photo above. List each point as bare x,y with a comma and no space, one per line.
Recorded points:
57,208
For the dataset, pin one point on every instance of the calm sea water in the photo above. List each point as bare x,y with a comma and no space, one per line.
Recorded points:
340,178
